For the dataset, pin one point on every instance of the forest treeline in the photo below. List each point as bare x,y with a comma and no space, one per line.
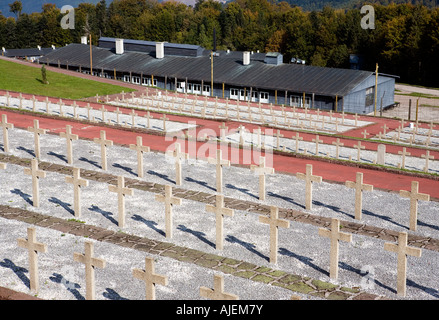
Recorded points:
405,41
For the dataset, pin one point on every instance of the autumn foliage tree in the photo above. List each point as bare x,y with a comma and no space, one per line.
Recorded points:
405,41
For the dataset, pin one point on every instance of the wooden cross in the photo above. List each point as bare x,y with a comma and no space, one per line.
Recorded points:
217,293
33,248
337,144
223,129
278,135
148,117
169,201
356,119
297,137
274,222
335,235
385,129
150,278
6,126
8,96
104,143
118,113
164,121
69,137
220,211
317,141
121,191
402,250
33,103
133,115
103,113
241,130
77,184
414,196
88,111
36,175
90,263
178,155
404,154
261,170
359,148
219,162
365,134
140,149
359,187
309,179
37,131
427,157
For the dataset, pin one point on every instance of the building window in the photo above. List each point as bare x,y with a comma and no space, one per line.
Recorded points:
370,95
136,80
206,90
234,93
126,78
180,86
263,97
197,88
145,82
297,101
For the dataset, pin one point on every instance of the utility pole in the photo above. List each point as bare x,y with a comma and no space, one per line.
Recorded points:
91,58
376,90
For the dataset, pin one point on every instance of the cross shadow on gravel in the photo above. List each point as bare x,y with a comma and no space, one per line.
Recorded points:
19,271
243,190
303,259
149,223
70,286
198,234
347,267
105,214
25,196
249,246
63,204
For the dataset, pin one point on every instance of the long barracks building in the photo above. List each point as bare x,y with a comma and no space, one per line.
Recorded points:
258,77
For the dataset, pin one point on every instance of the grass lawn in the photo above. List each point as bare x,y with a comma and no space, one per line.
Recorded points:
26,79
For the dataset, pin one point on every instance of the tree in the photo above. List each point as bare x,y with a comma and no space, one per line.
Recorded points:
44,75
16,7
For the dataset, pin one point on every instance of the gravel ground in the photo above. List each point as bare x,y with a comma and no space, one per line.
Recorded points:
301,250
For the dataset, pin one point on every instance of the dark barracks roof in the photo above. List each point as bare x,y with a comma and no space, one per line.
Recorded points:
228,68
29,52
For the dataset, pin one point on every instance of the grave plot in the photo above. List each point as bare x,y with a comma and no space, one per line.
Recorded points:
337,150
132,119
245,237
415,136
301,249
286,117
281,190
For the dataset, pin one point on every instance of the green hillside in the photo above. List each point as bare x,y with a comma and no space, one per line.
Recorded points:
27,79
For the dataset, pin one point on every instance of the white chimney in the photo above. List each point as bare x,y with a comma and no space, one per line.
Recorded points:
39,48
53,47
159,50
84,40
119,46
246,58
